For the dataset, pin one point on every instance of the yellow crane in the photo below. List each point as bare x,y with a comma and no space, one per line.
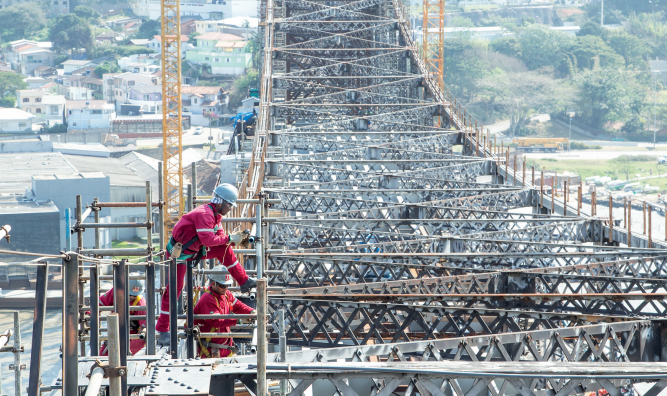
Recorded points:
172,125
433,39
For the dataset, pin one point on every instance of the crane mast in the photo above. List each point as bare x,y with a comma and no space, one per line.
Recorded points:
433,40
172,126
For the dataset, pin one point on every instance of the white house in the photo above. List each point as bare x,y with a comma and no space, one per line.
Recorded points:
140,63
199,101
13,120
156,43
79,93
43,105
71,65
83,114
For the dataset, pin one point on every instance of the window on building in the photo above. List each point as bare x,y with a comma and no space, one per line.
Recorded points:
26,100
38,100
186,109
145,97
22,124
28,110
216,60
96,112
54,109
130,83
74,124
38,111
69,112
195,100
228,60
206,58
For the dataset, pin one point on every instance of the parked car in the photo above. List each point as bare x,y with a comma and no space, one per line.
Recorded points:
662,160
199,130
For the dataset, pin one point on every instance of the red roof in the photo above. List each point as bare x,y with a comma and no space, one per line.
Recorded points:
183,38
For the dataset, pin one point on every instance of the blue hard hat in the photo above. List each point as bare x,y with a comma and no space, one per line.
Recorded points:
225,192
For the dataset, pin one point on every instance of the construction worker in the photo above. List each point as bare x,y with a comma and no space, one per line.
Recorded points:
199,235
218,300
136,291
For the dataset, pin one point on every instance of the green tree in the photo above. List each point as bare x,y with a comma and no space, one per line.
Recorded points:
522,94
462,67
509,46
87,13
631,48
106,68
8,101
239,89
458,21
70,32
591,28
10,82
21,20
592,51
608,95
541,46
148,29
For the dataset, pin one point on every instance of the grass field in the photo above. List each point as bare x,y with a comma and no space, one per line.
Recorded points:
611,168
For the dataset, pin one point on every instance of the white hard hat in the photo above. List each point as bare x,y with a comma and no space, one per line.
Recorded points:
223,279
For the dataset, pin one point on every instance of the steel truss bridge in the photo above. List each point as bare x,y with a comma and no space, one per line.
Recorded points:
415,259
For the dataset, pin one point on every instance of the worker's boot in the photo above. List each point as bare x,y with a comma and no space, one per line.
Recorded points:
163,339
250,284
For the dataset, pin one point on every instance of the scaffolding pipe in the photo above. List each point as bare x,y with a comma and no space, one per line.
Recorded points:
18,349
95,381
262,387
70,361
115,386
173,325
41,287
121,305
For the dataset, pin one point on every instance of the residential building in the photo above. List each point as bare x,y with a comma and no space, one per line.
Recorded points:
139,42
149,97
45,72
71,65
95,85
199,102
5,66
116,88
79,93
155,44
110,37
25,55
13,120
108,91
82,114
37,82
140,63
123,22
44,105
188,26
242,26
225,53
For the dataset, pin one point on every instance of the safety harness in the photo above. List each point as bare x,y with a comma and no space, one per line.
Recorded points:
177,249
206,345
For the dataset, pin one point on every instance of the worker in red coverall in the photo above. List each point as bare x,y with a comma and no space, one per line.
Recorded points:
136,292
199,235
218,300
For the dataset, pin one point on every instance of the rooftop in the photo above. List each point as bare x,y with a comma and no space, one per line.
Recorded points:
16,203
139,41
119,174
76,62
19,168
183,38
191,89
231,44
219,37
90,104
13,113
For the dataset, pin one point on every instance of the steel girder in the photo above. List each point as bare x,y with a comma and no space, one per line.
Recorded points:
413,245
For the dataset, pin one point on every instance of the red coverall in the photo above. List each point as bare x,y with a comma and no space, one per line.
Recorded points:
204,222
106,300
214,303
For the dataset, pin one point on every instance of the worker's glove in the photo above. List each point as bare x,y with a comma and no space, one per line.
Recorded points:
240,239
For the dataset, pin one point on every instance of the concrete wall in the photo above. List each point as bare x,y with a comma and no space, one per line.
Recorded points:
32,231
88,136
26,147
62,190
